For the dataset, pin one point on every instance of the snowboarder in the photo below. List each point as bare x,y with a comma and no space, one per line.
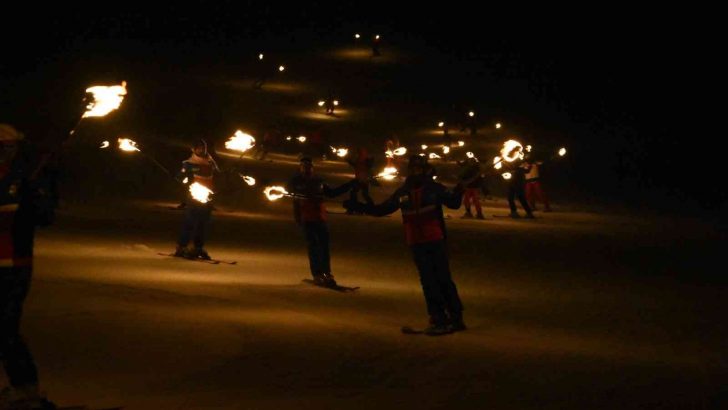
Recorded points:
199,168
420,200
308,191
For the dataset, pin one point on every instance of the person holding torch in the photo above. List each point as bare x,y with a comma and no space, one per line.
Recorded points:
197,174
420,200
25,202
308,191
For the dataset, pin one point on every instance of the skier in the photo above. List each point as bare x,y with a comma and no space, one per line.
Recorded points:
199,168
471,173
516,186
420,200
308,191
534,190
25,201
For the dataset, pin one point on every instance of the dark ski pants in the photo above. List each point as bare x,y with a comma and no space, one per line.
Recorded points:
195,225
517,191
16,358
441,294
362,187
317,238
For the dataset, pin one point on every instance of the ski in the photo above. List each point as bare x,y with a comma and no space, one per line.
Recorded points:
412,331
337,288
210,261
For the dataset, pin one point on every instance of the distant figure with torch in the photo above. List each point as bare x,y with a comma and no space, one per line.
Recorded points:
471,174
516,187
534,191
198,169
308,191
421,199
24,204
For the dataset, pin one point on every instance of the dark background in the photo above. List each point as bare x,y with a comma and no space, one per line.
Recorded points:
623,89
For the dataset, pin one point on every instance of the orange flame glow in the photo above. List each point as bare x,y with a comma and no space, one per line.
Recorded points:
106,99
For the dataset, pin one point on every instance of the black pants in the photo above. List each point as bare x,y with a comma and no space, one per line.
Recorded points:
440,291
317,238
16,358
517,191
362,187
195,225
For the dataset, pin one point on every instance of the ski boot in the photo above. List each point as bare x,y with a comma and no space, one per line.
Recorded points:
456,323
515,215
180,251
480,216
26,397
467,215
329,279
438,327
201,254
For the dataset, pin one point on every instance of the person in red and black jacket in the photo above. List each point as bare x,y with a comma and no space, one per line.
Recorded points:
27,200
421,199
308,191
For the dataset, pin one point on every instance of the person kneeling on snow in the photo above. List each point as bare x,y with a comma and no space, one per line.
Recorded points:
420,199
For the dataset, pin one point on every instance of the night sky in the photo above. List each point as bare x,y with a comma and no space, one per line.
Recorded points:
613,84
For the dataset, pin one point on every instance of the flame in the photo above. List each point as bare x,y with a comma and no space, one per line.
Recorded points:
389,173
260,56
200,193
471,114
446,150
506,175
440,124
562,151
248,179
376,37
105,144
434,156
240,142
301,138
497,163
512,150
388,153
288,138
186,180
422,154
434,177
125,144
424,147
461,143
469,154
321,103
336,103
106,99
528,148
400,151
281,68
357,35
275,192
497,125
342,152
